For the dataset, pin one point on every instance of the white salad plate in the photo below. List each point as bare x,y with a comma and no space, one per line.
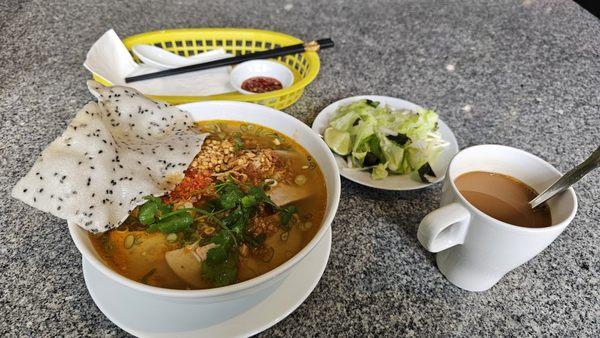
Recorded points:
392,182
142,315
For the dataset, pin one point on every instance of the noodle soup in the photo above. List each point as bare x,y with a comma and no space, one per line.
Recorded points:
251,199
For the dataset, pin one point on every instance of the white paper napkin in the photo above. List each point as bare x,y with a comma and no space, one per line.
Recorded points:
109,59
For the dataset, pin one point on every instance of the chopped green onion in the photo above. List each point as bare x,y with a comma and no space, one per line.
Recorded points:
305,226
172,237
207,230
300,180
147,276
268,254
128,242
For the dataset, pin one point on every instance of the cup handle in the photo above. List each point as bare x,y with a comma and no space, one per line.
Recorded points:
444,227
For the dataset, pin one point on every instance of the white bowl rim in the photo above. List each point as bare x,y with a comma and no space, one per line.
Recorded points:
233,76
75,230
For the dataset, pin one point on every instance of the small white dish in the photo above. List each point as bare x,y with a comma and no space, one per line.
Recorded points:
163,59
266,68
392,182
142,315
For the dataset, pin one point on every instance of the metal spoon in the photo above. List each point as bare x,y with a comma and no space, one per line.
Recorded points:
568,179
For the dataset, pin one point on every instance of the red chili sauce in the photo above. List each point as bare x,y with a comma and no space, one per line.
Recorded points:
261,84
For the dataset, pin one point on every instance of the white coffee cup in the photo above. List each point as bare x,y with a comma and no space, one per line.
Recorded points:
475,250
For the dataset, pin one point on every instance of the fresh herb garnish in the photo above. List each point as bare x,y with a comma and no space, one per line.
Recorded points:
254,241
285,216
147,276
230,214
400,139
221,273
238,143
370,159
147,213
174,223
240,202
229,194
372,103
425,169
159,216
152,209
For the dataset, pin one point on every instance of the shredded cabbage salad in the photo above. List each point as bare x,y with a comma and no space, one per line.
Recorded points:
374,137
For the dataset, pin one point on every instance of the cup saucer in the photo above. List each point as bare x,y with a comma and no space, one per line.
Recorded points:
145,316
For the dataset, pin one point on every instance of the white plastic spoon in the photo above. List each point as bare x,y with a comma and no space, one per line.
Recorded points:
163,59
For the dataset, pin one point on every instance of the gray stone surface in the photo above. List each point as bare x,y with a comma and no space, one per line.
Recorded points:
529,69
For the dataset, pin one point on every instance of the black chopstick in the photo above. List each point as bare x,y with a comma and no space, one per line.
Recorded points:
311,46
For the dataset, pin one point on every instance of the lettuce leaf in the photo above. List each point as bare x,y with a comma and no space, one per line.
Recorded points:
379,172
389,141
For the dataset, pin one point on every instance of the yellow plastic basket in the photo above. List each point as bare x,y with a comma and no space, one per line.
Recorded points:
237,41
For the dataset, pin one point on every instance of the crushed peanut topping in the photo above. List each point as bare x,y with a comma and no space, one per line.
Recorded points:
248,165
264,225
215,155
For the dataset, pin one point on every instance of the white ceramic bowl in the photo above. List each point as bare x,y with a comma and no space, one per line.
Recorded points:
265,116
249,69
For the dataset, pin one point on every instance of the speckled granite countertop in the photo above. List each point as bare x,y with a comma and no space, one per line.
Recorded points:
528,70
